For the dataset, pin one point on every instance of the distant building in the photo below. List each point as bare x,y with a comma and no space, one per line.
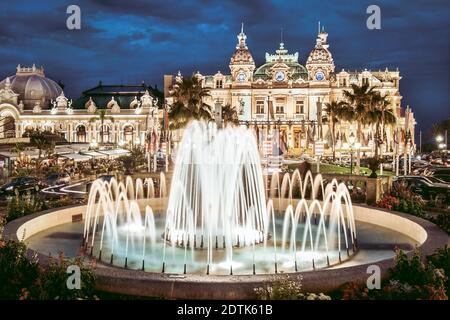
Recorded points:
29,100
285,100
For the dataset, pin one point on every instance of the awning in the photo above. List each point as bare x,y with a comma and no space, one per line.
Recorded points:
76,157
63,150
114,153
13,156
95,154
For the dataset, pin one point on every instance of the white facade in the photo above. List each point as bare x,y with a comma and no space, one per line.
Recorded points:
284,99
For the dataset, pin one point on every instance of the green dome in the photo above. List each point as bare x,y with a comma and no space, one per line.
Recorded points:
295,69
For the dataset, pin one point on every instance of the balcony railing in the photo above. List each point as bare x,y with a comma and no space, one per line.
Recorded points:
300,116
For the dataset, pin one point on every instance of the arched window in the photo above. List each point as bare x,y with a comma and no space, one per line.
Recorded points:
7,127
81,133
104,134
128,131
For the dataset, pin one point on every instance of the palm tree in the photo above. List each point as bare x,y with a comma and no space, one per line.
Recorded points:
380,114
189,103
230,115
388,116
360,98
43,141
101,114
336,110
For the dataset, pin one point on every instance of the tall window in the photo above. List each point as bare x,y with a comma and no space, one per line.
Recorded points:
106,134
300,107
365,81
128,133
279,108
81,133
343,82
260,107
219,84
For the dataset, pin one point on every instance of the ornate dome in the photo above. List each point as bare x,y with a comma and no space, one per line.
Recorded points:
296,70
320,54
242,55
32,86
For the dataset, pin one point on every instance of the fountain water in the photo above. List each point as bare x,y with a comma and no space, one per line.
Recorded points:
217,216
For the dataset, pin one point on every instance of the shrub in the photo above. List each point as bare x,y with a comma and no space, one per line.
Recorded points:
388,202
409,279
443,221
18,273
22,278
283,287
22,205
441,259
414,279
52,282
409,202
280,288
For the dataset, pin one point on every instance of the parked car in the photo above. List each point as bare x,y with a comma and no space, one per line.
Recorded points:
433,180
443,177
20,184
54,179
427,189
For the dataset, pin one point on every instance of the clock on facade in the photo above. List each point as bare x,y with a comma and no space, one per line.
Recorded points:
241,76
279,76
320,76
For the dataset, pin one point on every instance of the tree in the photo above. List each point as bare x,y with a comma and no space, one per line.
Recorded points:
360,98
189,103
230,115
380,114
44,141
101,114
336,111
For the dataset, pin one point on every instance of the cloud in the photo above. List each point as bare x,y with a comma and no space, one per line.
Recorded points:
135,40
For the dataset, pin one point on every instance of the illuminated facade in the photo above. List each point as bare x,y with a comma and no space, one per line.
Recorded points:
285,100
30,101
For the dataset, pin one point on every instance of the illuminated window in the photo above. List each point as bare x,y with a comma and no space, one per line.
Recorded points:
300,107
260,107
279,108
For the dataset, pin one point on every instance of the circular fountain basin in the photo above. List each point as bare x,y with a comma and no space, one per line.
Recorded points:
379,233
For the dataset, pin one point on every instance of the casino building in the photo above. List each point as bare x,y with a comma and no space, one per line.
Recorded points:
285,99
29,100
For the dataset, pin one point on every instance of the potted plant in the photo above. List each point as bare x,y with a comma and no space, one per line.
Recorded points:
373,164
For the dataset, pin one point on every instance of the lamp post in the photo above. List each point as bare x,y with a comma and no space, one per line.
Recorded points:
353,144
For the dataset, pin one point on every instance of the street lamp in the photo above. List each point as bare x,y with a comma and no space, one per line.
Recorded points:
439,139
353,145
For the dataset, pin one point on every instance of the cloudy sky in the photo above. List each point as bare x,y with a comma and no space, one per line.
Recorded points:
141,40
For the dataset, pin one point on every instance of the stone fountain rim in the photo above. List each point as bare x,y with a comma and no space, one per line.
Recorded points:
195,286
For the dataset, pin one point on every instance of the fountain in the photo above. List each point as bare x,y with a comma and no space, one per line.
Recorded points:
222,215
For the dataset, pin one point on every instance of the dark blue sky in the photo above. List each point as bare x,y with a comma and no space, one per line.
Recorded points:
135,40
